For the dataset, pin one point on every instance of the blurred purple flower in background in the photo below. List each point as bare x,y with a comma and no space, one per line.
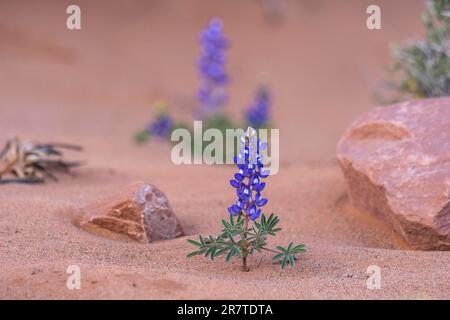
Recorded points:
161,127
257,115
162,124
212,94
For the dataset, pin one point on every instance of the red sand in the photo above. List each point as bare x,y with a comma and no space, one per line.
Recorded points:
94,87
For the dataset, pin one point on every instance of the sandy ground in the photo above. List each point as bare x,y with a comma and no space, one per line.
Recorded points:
94,87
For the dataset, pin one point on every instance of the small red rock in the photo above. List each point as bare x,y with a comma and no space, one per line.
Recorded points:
396,161
142,213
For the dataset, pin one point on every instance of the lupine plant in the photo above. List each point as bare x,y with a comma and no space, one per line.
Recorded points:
257,115
212,94
422,67
248,228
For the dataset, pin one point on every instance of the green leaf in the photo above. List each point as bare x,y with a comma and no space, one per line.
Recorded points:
225,224
233,228
230,254
291,260
219,252
283,263
299,248
277,256
195,253
288,254
141,137
289,247
195,243
267,225
210,251
282,249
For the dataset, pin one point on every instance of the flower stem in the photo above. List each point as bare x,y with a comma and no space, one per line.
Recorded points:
245,249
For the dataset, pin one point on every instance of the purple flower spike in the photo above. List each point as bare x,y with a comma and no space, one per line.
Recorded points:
248,180
211,65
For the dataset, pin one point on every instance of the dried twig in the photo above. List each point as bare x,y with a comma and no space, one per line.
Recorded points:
33,162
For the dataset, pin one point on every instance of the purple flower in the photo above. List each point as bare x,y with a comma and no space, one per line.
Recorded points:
247,181
161,126
211,65
257,115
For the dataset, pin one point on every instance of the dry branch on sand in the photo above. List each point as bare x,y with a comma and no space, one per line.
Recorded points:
33,162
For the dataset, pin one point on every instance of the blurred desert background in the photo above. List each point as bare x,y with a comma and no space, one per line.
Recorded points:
95,87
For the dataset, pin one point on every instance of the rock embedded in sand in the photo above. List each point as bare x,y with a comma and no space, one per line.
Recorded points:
142,213
396,161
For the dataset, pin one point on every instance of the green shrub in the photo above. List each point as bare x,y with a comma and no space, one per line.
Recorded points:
422,67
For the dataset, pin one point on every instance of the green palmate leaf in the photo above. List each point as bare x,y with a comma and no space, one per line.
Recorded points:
257,234
233,228
267,226
257,241
258,244
287,255
235,251
213,247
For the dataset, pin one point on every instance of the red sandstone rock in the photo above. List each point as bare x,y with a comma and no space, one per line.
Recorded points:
142,213
396,161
